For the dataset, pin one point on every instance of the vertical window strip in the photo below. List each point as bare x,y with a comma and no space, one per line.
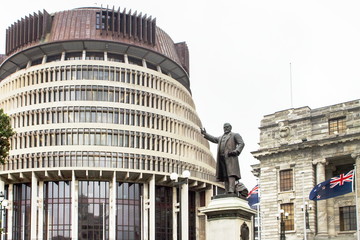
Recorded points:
289,221
286,180
347,218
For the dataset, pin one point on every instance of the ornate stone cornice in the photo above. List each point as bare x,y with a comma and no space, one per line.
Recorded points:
307,145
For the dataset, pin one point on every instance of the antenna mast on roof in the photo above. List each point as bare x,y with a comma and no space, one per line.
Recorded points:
291,93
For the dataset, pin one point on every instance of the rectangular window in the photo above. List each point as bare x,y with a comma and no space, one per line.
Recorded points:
76,116
89,95
53,58
286,180
85,73
163,206
115,139
66,117
81,138
67,94
288,216
57,209
82,116
98,139
92,138
86,138
73,56
347,218
115,57
21,211
93,205
111,96
98,21
337,125
128,208
94,56
72,94
83,95
75,138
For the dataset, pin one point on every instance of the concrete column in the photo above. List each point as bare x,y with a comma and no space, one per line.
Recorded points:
10,212
152,208
150,102
145,220
74,207
41,210
34,205
40,117
18,144
32,137
161,140
21,117
145,104
112,209
2,189
48,138
22,139
145,138
197,219
184,209
322,218
330,211
105,56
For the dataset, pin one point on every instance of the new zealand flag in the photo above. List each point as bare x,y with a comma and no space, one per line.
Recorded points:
333,187
253,197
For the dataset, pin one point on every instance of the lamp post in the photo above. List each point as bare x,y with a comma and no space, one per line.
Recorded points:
304,209
183,202
281,216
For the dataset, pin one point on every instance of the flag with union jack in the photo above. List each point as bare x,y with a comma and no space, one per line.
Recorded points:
253,197
333,187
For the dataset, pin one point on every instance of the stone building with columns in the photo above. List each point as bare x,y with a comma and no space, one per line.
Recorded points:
299,148
101,104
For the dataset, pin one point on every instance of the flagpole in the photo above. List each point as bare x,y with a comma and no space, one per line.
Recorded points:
258,220
356,204
258,211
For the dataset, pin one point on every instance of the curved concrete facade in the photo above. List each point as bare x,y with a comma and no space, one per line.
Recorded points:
97,105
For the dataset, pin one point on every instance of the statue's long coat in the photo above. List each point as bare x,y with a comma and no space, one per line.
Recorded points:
233,142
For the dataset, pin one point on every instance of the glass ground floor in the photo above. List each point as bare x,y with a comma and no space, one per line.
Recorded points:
98,209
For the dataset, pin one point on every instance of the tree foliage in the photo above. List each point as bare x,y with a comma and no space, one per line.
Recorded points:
6,132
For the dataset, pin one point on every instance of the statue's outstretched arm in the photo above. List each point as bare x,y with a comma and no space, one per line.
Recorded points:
208,136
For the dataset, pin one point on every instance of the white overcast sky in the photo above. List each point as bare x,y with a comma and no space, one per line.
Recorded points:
240,54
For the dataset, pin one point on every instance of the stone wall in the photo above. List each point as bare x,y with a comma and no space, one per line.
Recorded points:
299,139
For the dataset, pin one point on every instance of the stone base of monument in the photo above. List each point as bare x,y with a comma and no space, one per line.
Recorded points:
229,218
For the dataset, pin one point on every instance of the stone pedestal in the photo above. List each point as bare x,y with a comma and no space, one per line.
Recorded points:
229,217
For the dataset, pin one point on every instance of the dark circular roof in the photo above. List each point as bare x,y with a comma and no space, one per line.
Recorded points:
86,28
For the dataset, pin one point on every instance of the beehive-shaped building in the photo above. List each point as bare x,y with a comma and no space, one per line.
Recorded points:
101,104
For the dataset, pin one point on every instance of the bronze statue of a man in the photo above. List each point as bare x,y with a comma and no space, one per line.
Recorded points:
229,148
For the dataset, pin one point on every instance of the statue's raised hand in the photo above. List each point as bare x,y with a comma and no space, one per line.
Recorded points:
203,131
